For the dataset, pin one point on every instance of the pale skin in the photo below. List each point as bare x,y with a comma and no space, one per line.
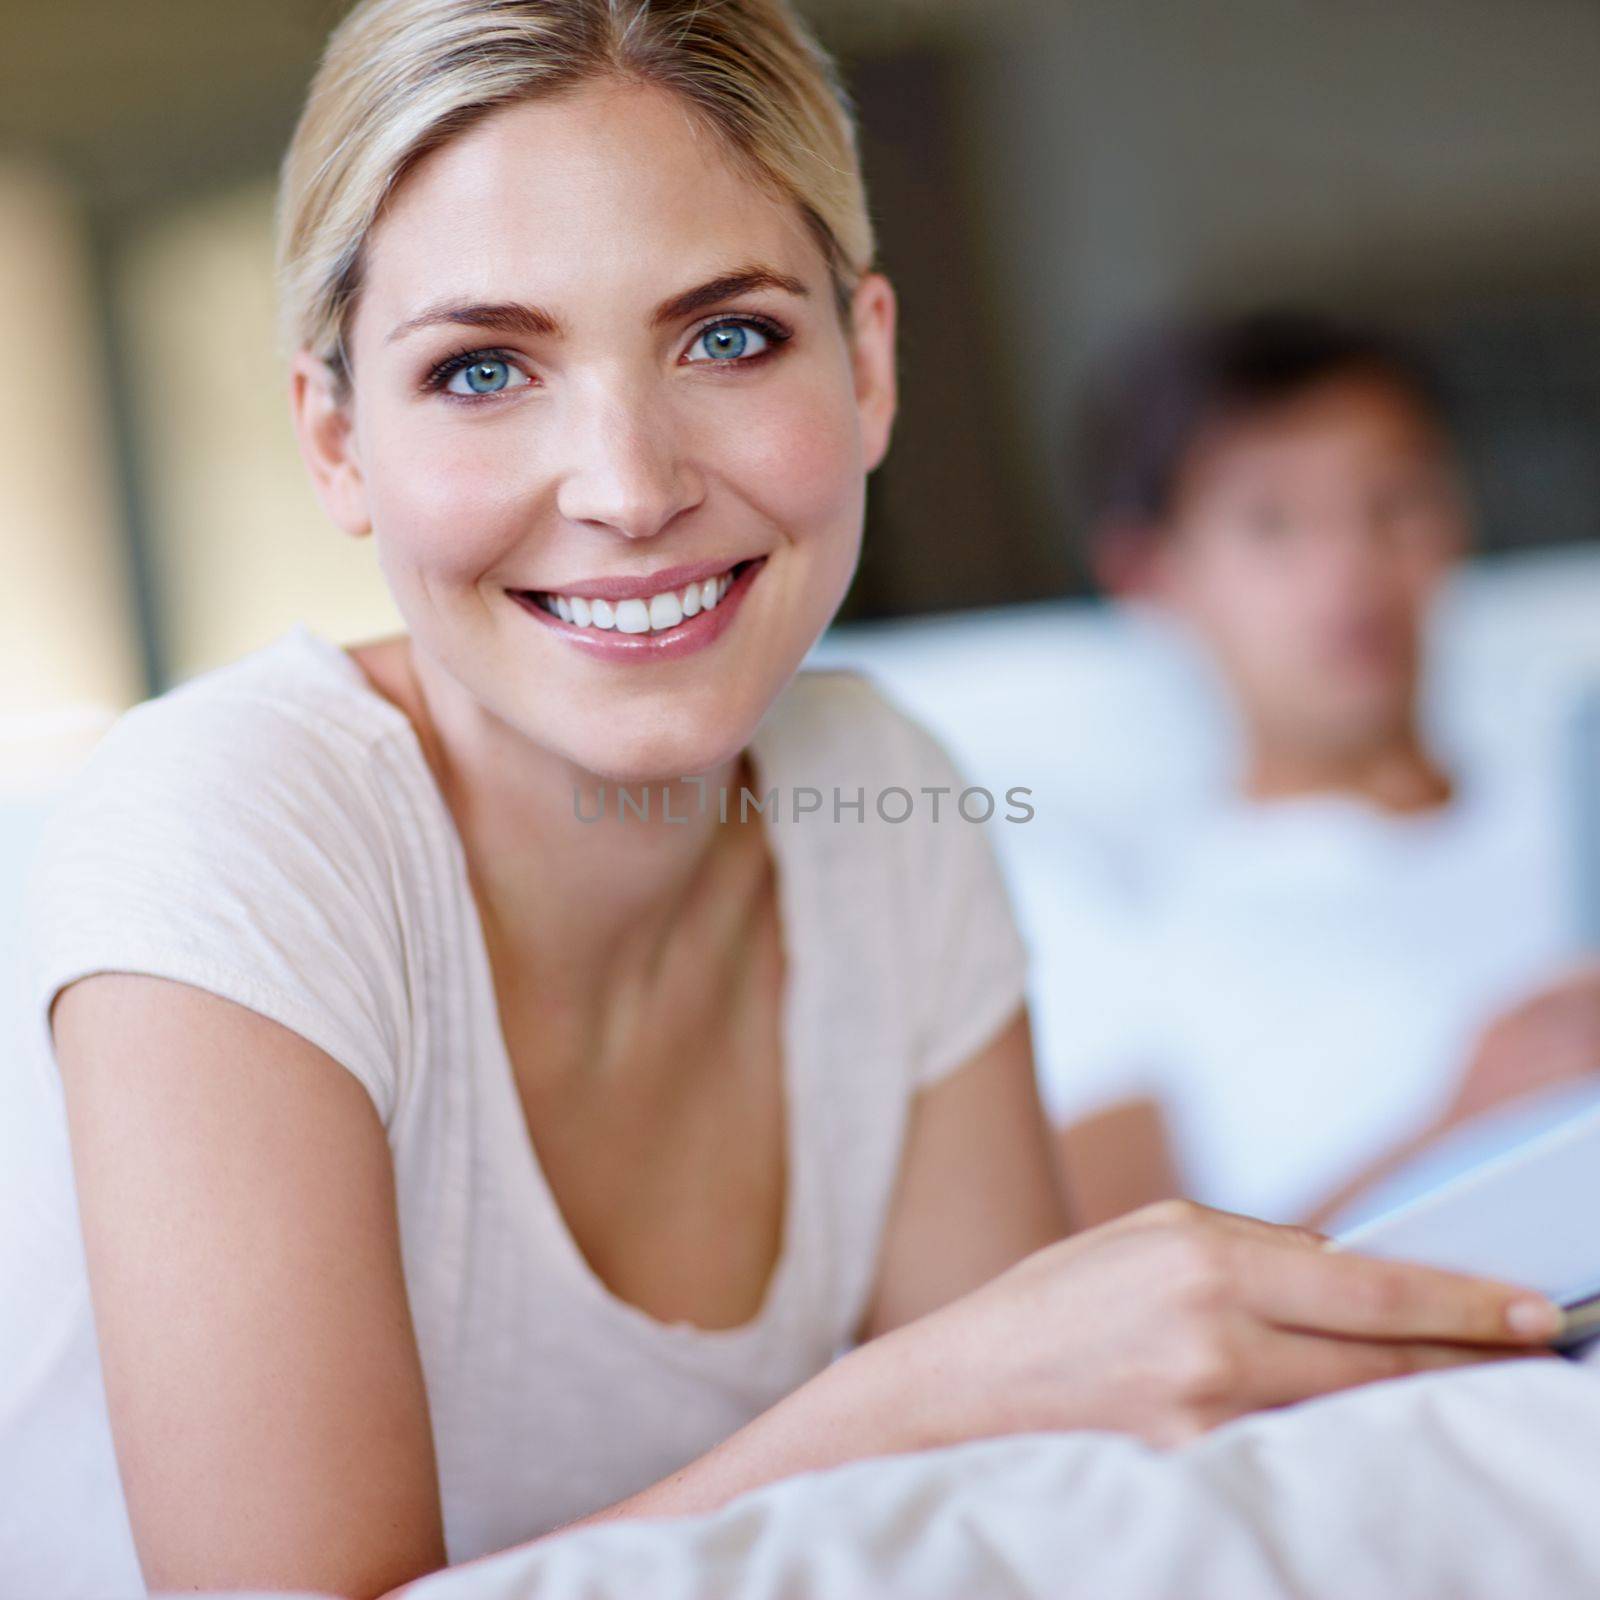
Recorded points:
1304,548
267,1398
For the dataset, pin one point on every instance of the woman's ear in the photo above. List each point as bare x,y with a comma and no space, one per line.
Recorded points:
872,310
326,432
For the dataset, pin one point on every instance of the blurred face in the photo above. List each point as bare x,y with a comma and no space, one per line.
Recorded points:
616,511
1305,546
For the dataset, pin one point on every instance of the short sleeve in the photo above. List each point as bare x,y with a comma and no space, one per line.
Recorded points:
972,964
226,843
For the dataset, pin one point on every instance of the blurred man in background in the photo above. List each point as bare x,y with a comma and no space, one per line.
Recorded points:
1360,950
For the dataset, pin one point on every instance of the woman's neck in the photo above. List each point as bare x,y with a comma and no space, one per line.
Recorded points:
571,880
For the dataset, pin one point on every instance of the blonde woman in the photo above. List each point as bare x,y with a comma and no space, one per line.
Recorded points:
453,1166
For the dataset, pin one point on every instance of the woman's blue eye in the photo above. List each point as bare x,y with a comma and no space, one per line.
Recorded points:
730,341
490,375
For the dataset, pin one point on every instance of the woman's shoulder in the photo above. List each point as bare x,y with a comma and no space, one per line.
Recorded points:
259,782
284,727
235,833
300,691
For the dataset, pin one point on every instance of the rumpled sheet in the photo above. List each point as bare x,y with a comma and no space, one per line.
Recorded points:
1481,1484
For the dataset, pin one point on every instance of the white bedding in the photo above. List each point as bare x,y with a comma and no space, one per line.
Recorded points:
1476,1485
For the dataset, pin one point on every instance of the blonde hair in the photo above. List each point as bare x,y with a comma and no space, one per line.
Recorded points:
399,78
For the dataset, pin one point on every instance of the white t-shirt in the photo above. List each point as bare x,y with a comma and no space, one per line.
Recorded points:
1299,982
270,832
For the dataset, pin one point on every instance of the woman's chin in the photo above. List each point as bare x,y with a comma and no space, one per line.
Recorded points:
652,737
658,755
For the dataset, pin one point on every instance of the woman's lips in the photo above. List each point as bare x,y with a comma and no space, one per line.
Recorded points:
663,581
637,627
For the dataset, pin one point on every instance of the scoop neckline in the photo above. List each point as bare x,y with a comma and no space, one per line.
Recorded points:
526,1170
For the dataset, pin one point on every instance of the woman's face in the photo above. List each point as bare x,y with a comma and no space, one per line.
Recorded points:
607,428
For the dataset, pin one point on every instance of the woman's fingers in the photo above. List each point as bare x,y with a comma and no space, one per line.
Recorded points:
1290,1276
1292,1366
1329,1291
1176,1318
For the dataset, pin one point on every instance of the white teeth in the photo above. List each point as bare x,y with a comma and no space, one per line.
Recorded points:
665,612
655,615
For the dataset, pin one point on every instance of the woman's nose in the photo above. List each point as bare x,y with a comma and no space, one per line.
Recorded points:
627,472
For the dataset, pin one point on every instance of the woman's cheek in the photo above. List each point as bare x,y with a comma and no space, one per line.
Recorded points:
444,507
799,459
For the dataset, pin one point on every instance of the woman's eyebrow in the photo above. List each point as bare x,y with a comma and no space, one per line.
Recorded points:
726,286
514,316
503,316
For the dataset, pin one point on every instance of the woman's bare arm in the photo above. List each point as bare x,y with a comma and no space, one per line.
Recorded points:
1116,1160
267,1399
266,1396
978,1188
237,1201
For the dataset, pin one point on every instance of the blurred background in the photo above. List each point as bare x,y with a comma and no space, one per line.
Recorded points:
1045,176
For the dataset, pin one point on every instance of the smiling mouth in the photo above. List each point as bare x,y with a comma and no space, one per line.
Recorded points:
656,613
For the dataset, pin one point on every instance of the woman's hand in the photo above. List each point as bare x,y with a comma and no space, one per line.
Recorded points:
1163,1324
1175,1318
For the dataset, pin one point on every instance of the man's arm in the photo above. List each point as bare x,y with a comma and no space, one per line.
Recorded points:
1551,1038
